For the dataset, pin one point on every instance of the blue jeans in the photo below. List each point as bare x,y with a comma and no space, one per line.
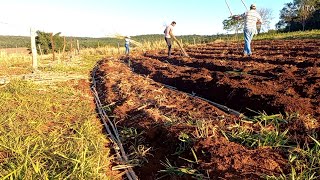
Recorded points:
127,49
248,35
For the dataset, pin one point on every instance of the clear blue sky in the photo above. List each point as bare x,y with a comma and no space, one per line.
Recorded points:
99,18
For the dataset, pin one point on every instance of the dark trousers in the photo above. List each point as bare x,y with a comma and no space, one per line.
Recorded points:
168,41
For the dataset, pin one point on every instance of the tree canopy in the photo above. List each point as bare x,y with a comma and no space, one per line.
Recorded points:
233,23
43,39
300,15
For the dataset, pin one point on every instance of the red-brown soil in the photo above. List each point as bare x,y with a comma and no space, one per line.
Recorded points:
282,77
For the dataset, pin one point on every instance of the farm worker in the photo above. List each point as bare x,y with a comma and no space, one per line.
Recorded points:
127,44
168,32
252,18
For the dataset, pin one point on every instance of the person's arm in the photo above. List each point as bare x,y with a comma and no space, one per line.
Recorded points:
170,32
171,35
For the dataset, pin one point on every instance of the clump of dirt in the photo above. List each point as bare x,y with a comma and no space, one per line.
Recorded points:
232,161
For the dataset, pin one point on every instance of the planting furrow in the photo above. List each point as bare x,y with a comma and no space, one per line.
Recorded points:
238,85
165,129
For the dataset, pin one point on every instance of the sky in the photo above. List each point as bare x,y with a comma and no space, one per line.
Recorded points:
103,18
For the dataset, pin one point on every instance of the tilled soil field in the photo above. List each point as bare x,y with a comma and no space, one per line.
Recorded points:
170,132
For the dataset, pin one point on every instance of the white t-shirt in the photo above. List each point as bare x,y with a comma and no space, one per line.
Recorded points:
127,41
168,29
252,16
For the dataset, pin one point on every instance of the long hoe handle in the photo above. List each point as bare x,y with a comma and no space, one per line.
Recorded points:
180,46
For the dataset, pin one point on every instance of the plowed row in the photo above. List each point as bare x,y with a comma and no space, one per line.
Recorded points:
282,77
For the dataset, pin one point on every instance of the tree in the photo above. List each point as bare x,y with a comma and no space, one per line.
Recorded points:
314,21
233,23
300,15
305,9
44,40
266,15
287,14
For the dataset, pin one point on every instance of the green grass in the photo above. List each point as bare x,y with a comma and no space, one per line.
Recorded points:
304,162
313,34
134,142
180,172
51,132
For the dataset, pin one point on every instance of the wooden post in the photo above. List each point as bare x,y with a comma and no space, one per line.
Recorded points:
52,44
194,41
40,51
78,47
118,48
59,55
34,50
71,49
64,47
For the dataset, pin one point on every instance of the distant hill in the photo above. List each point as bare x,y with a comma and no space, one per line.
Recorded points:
14,41
86,42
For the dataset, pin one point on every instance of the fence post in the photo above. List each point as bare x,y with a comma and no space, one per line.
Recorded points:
78,47
52,44
40,51
71,49
64,47
34,50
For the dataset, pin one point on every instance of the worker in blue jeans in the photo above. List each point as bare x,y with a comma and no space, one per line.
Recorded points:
252,18
127,44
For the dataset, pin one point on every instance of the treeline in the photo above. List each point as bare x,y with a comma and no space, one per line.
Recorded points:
44,40
14,41
299,15
189,39
85,42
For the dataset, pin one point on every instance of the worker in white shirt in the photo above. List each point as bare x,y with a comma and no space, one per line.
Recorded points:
168,32
252,18
127,44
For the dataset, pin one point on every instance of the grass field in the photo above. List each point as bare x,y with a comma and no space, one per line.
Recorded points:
48,124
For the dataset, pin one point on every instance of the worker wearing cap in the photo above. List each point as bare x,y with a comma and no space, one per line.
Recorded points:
168,32
252,18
